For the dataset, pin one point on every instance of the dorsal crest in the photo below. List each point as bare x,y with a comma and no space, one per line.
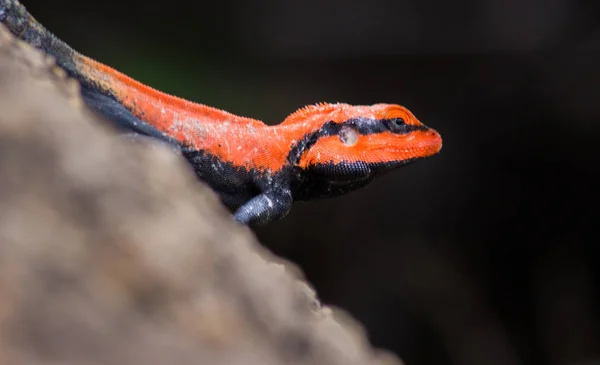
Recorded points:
308,111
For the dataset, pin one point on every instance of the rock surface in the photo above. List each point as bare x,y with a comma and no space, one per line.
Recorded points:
113,253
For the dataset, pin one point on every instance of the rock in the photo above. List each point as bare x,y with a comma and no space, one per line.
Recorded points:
114,253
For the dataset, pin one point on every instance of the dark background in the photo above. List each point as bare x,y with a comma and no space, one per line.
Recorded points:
484,254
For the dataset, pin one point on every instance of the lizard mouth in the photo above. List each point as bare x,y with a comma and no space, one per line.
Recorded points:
396,150
414,145
429,143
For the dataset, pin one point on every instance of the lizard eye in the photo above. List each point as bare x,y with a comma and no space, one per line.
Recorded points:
396,124
348,136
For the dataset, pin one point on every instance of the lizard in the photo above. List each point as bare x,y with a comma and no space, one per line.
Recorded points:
257,170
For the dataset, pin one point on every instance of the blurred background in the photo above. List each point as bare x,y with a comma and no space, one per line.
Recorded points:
484,254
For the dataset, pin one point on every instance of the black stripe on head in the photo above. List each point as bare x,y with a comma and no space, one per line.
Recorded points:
371,126
364,126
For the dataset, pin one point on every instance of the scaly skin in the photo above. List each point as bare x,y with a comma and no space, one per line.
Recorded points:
319,151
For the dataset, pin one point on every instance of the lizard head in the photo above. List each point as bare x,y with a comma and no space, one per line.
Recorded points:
350,145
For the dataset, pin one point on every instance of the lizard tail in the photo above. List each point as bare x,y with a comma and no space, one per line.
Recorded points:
24,26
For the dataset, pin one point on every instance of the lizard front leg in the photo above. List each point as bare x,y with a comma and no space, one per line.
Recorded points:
264,208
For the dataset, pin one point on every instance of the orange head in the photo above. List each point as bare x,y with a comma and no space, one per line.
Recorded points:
351,144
